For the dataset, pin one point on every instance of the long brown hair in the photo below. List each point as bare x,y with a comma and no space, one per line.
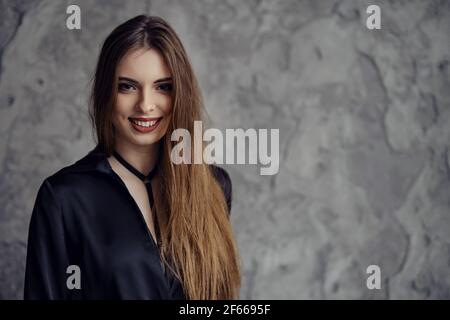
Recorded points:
198,242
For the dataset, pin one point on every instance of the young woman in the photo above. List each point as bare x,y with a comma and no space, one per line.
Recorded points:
124,222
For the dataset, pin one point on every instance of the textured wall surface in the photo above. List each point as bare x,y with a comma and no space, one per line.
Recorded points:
364,132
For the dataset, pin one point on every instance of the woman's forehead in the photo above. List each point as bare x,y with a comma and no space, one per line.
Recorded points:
143,65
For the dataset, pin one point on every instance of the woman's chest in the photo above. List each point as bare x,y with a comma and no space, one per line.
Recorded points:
140,195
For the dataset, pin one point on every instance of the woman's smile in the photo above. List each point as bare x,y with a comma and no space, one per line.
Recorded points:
145,125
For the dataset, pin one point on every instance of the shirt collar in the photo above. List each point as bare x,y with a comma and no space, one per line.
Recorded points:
95,160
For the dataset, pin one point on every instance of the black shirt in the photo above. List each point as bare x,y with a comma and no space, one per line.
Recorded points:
85,216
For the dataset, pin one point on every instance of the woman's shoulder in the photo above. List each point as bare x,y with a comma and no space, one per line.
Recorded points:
76,174
224,180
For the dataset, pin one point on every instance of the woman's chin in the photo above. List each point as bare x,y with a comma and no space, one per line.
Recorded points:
146,141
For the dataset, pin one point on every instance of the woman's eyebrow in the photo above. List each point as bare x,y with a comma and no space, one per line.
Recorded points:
129,80
163,80
166,79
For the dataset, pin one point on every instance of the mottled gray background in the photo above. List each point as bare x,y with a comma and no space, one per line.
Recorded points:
364,132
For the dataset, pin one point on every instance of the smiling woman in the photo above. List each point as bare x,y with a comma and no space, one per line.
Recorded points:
134,224
144,81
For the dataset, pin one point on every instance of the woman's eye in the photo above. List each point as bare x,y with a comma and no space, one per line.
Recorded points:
167,87
125,87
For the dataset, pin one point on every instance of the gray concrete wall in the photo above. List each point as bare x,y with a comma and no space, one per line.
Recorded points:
364,132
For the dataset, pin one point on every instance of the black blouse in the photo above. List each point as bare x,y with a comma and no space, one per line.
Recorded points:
84,215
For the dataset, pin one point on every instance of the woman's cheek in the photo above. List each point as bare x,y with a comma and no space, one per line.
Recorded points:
125,101
169,106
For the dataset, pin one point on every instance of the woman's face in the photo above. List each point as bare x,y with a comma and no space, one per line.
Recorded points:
144,99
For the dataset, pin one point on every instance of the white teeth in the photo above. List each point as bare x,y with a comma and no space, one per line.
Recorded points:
145,123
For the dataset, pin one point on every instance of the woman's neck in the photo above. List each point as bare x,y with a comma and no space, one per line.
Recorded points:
143,158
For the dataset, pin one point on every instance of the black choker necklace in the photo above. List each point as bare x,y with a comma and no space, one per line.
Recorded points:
135,171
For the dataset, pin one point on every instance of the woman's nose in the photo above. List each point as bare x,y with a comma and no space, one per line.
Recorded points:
147,102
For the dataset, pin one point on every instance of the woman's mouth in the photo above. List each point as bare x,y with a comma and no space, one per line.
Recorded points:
145,125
